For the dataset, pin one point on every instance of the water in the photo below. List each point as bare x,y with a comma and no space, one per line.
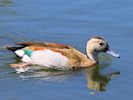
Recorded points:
70,22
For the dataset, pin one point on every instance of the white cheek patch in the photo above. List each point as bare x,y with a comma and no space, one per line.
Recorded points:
20,53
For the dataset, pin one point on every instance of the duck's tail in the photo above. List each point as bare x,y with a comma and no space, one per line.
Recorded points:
12,48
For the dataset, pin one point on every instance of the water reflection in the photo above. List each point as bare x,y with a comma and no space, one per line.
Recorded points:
7,11
47,75
96,81
5,3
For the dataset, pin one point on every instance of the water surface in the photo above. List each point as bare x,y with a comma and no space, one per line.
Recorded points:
69,22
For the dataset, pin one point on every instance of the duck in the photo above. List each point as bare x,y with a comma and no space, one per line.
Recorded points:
59,56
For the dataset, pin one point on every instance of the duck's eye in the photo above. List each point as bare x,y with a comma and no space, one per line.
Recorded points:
101,44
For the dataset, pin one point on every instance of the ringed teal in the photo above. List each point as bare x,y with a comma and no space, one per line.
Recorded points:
59,56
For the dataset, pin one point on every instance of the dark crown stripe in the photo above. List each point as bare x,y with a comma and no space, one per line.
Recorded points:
98,37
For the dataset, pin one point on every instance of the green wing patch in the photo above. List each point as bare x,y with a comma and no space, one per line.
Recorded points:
28,52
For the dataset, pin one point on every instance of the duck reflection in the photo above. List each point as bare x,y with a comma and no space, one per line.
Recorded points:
96,81
52,75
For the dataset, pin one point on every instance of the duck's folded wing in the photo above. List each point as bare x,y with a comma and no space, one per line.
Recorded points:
44,44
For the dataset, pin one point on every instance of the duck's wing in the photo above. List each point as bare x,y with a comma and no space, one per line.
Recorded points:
44,44
34,46
27,48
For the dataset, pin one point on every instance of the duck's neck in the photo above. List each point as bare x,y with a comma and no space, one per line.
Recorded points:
92,56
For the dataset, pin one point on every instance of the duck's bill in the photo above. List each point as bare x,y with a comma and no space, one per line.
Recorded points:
112,53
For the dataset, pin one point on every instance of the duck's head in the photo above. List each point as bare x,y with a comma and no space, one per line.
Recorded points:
97,45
